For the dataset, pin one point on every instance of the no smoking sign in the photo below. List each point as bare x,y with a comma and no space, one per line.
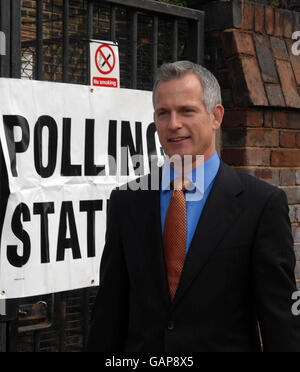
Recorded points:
105,59
105,69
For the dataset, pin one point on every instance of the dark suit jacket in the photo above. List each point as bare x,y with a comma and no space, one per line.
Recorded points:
239,271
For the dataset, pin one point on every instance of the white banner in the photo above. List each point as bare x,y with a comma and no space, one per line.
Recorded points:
62,149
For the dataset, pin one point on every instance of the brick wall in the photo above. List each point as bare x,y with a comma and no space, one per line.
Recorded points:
260,78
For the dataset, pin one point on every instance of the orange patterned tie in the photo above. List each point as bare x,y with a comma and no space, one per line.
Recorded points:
175,238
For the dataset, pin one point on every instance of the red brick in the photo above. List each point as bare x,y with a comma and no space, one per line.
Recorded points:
235,137
288,139
280,119
239,157
278,25
233,119
297,251
268,119
296,209
298,177
285,158
279,48
248,16
298,140
296,20
254,81
293,120
295,60
245,77
246,118
255,118
262,138
265,59
297,274
28,4
274,94
250,137
268,175
228,44
293,194
244,43
288,120
288,84
235,43
287,177
296,235
292,213
288,26
238,82
297,213
259,18
269,20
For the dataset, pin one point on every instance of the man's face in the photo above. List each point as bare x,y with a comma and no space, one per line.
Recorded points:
184,126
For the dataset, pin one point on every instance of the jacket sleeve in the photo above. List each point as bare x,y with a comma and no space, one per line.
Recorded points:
110,314
274,277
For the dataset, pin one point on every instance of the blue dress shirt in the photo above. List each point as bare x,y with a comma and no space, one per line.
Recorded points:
202,189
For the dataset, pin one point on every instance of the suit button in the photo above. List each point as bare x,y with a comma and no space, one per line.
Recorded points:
171,325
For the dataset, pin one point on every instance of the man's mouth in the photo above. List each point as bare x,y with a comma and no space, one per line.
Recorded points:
178,139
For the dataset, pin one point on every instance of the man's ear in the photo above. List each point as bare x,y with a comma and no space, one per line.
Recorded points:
218,114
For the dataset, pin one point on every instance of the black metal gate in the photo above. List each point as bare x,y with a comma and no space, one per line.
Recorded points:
49,40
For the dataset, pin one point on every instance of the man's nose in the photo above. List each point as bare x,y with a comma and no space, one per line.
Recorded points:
174,122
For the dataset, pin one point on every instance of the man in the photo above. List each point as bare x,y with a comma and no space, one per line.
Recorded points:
203,274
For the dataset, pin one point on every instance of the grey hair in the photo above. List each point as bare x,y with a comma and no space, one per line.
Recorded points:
175,70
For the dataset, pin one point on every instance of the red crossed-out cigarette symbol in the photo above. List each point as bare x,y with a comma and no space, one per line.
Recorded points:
105,59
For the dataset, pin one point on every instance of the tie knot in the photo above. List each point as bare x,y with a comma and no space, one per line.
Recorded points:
182,184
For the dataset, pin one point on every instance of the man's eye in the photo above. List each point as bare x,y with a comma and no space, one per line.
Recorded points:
162,113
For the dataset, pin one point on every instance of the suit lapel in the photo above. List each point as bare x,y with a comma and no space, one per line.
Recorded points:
222,208
153,217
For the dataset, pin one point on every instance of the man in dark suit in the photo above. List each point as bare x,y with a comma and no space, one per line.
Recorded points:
187,275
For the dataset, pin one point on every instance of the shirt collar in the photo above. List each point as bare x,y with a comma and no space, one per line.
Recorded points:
201,177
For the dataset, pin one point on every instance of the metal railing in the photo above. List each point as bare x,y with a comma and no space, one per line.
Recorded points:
172,33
